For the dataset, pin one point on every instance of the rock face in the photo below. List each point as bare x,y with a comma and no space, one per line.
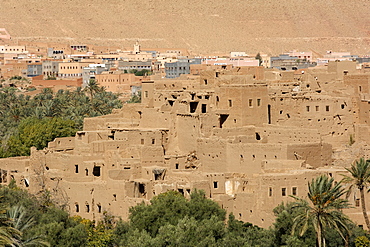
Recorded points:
200,26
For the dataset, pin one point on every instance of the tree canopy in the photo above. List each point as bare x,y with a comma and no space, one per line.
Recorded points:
34,121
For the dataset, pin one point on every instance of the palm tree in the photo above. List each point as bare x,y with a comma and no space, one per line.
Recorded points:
22,222
322,210
7,231
92,87
359,178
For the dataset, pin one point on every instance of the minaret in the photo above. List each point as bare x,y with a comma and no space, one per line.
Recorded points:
137,47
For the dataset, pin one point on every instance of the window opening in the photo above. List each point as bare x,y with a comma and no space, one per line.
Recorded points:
193,106
258,137
294,191
215,185
283,191
76,168
96,171
204,108
223,118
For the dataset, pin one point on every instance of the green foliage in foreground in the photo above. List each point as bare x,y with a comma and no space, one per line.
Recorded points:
64,111
169,220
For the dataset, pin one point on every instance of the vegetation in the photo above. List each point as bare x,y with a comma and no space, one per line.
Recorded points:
359,179
26,121
323,210
136,98
172,220
142,72
259,58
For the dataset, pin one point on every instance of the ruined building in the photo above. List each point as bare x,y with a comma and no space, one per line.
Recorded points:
249,137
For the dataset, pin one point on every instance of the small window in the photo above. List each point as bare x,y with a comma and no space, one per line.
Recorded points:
258,102
294,191
96,171
87,172
146,94
283,191
258,137
327,108
114,197
99,208
250,103
215,185
177,166
204,108
87,208
270,191
307,108
76,168
77,207
142,141
153,141
357,202
317,108
230,103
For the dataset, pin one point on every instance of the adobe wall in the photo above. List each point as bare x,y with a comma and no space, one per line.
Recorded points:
247,142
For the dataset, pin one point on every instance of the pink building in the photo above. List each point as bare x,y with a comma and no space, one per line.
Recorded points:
235,62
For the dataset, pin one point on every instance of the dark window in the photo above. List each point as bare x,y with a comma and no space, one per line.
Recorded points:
76,168
96,171
77,208
215,185
283,191
223,118
193,106
294,191
270,191
177,166
258,137
204,108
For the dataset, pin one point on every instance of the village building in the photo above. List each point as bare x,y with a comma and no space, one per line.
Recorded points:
249,137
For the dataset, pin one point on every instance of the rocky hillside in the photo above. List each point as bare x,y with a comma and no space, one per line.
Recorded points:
206,25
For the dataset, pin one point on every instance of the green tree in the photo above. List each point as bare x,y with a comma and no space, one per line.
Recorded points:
8,233
359,178
259,58
22,223
92,88
38,132
322,210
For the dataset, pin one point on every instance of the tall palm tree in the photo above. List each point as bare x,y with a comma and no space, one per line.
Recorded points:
323,209
22,222
7,231
92,87
359,178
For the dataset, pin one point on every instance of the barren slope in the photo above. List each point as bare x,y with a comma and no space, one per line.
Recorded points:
203,25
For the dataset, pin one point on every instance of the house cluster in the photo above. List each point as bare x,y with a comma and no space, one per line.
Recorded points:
74,65
248,135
